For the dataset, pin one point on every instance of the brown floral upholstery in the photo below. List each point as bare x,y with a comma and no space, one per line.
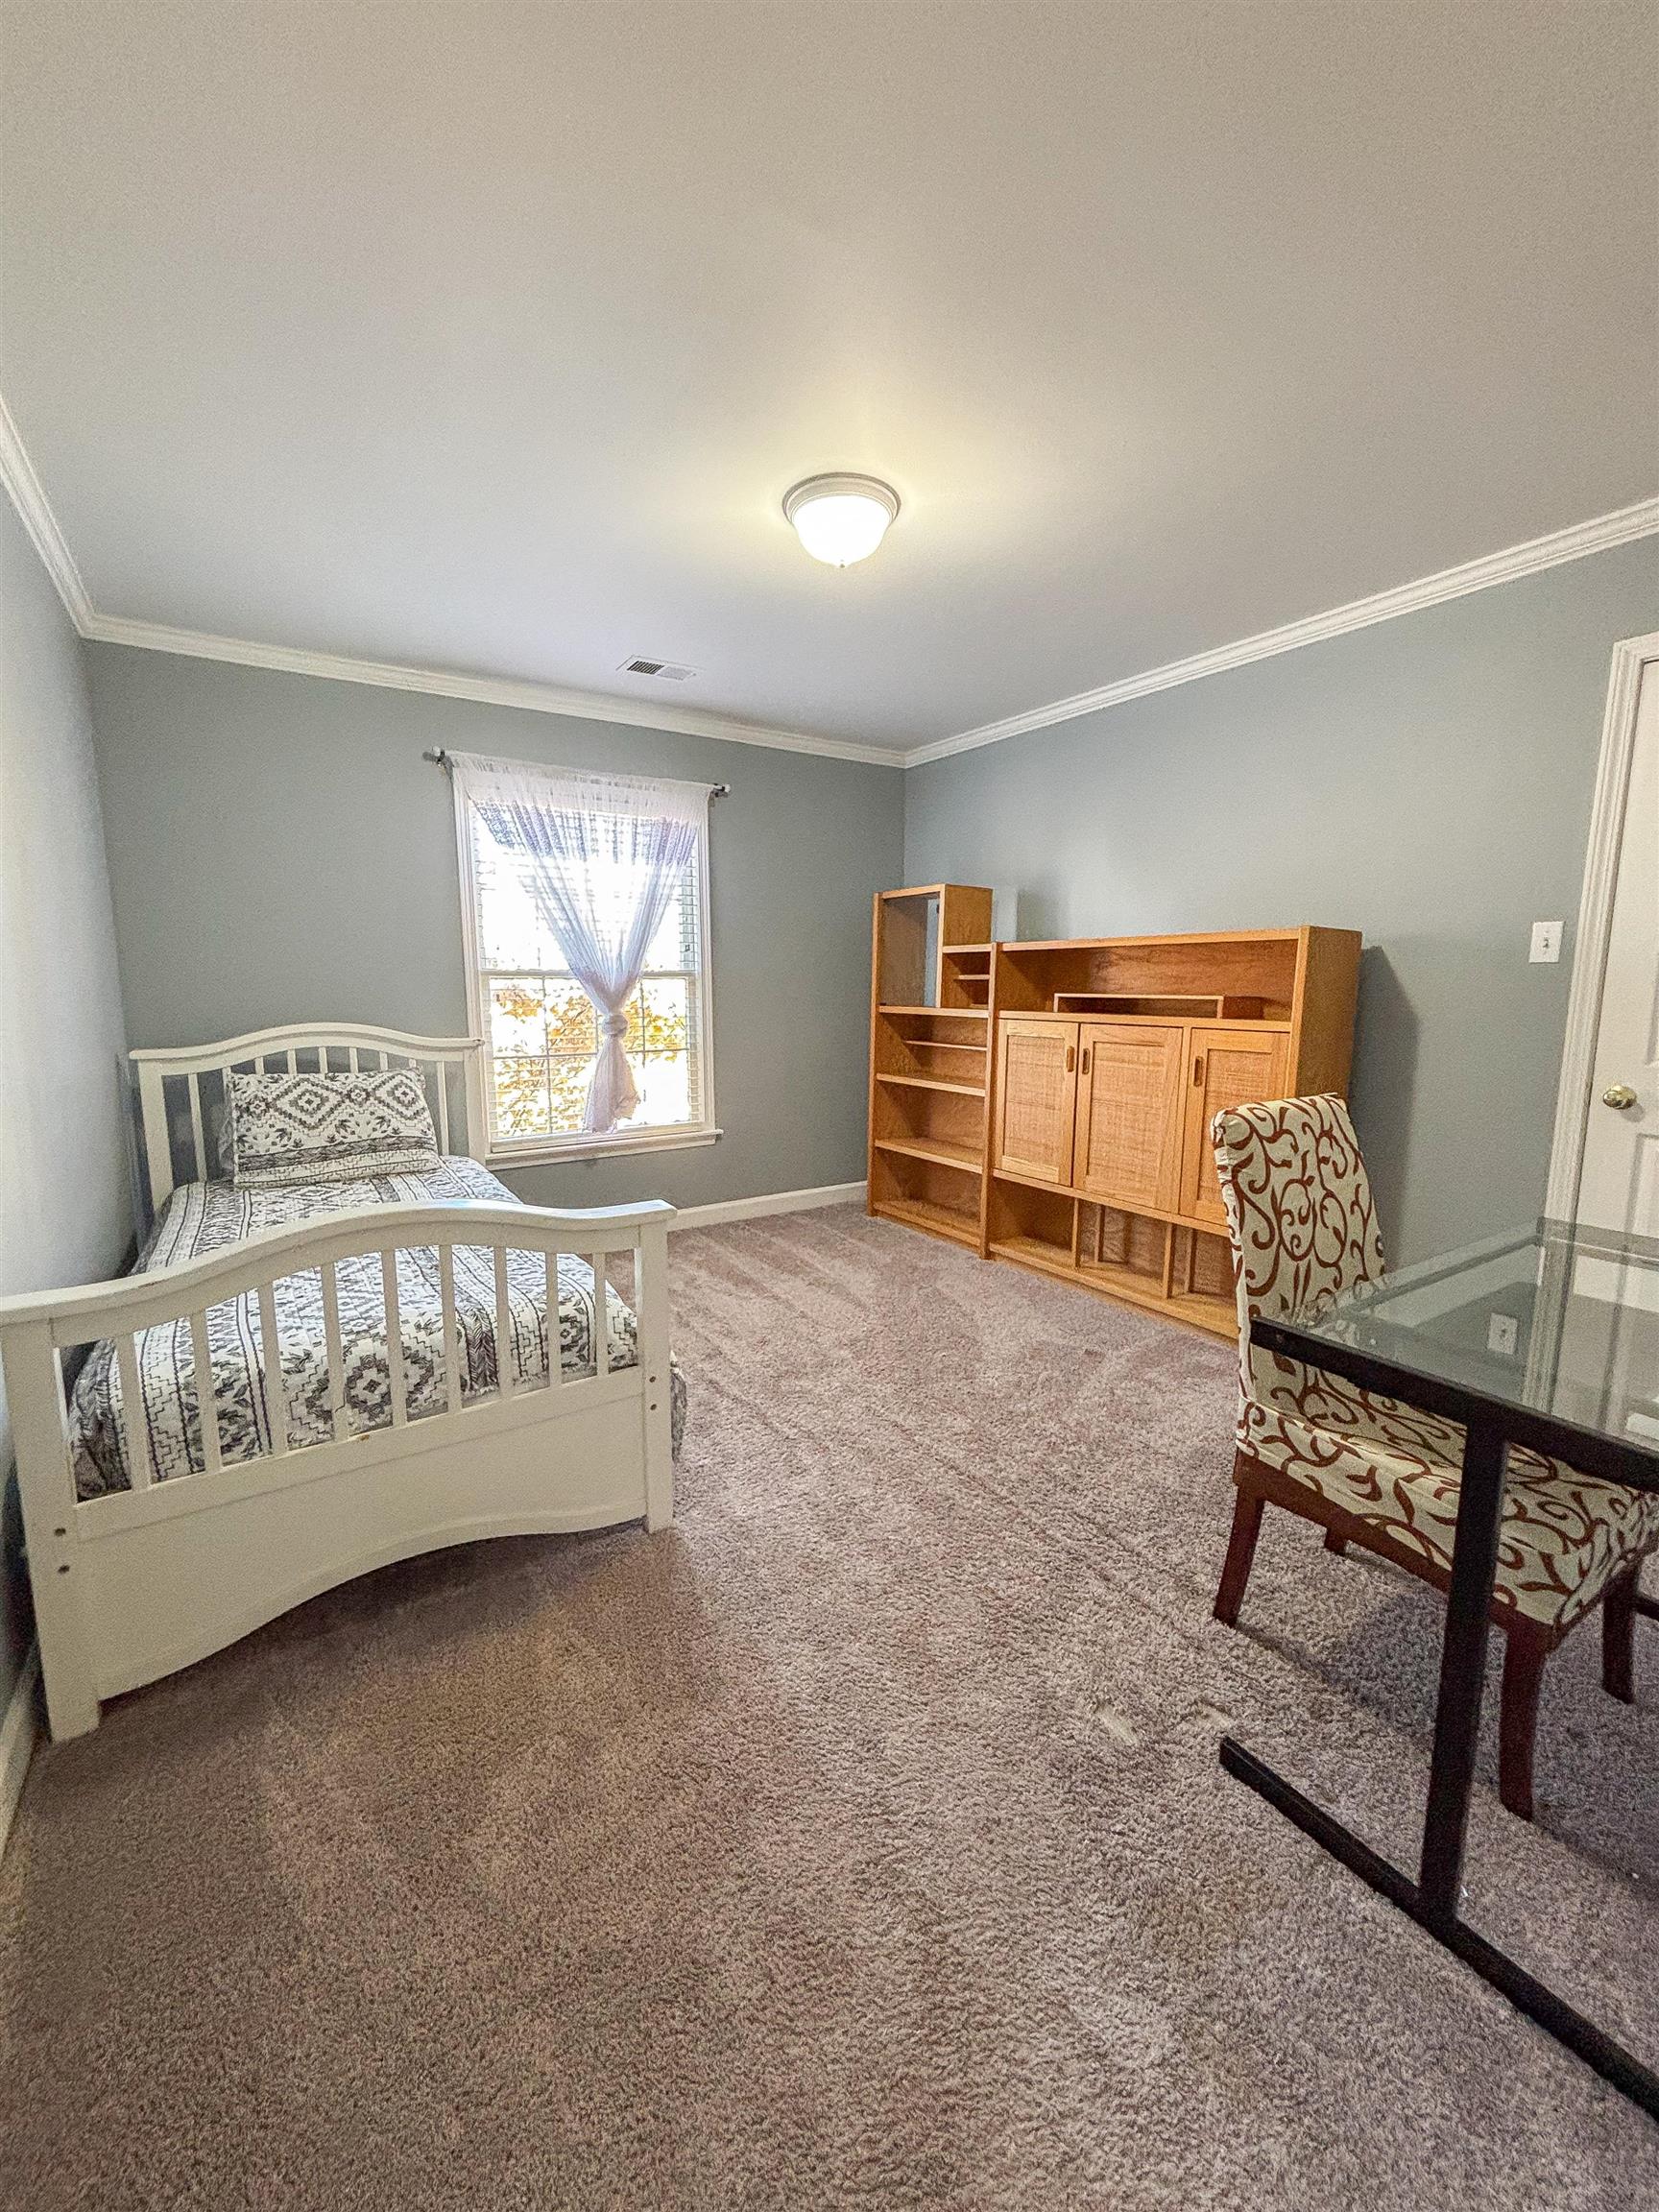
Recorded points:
1304,1231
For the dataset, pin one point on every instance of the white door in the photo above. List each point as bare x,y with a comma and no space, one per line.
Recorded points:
1619,1184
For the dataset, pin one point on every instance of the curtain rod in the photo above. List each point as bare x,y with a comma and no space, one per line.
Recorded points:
441,760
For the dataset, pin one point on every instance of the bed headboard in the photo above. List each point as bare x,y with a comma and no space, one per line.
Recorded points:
181,1094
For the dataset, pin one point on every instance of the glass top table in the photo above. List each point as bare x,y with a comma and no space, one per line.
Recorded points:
1547,1337
1552,1329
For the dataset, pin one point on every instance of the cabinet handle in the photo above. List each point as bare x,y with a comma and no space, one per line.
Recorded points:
1198,1067
1070,1058
1084,1062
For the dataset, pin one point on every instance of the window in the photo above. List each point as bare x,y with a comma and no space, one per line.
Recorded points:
541,1030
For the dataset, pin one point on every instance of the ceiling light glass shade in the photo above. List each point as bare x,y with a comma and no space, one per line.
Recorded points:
841,519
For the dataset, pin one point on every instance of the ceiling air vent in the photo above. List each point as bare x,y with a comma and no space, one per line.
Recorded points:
666,671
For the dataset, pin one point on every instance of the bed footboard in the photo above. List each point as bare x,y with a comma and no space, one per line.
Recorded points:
132,1584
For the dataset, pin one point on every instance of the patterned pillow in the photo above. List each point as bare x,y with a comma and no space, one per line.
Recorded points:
327,1128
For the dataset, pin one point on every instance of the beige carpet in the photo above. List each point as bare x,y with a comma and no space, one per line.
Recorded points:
859,1842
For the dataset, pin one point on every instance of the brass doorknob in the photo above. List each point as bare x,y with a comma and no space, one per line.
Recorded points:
1618,1095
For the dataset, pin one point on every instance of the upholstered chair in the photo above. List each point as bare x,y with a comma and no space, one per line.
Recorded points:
1380,1474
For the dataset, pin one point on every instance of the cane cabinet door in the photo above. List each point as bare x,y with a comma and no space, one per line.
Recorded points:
1129,1102
1228,1067
1036,1098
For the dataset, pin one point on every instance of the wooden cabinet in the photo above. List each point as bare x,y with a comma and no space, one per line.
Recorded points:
1036,1100
1228,1067
1127,1148
1120,1111
1169,1031
1105,1059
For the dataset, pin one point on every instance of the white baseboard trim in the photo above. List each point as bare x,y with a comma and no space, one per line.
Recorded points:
773,1202
17,1733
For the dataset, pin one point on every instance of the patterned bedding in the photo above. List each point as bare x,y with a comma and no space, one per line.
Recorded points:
202,1217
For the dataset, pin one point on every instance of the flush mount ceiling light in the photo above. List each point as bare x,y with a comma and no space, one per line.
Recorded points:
840,519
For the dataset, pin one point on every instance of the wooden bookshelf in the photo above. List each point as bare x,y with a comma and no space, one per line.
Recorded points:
930,1058
1048,1103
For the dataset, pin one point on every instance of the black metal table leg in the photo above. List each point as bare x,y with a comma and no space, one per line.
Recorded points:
1462,1670
1506,1975
1432,1900
1493,1425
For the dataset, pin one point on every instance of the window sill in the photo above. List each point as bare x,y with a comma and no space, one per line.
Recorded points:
612,1145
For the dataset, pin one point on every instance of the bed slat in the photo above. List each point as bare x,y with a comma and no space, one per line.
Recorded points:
441,1074
337,1419
601,1316
139,1472
207,1396
158,1135
555,1349
506,1375
271,1364
395,1340
452,1400
193,1086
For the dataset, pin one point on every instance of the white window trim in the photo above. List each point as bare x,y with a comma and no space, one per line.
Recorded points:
544,1151
541,1151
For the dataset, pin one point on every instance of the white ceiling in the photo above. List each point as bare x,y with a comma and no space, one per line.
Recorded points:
489,337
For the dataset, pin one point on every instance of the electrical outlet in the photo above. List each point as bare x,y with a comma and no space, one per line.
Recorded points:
1502,1332
1546,941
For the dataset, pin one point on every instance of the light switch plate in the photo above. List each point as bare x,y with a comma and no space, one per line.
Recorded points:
1546,941
1501,1335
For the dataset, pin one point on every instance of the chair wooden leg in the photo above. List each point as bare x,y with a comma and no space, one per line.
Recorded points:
1336,1543
1524,1658
1241,1551
1618,1637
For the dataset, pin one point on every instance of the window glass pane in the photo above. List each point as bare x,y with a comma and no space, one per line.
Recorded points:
518,1017
569,1075
673,944
510,931
571,1022
664,1084
666,1014
520,1095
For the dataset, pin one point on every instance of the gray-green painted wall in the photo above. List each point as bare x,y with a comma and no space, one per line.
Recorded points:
1427,782
65,1216
279,851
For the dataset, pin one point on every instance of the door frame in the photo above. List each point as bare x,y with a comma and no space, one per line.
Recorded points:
1631,656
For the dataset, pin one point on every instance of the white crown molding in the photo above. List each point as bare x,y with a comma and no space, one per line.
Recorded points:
17,473
35,511
28,497
487,691
1597,536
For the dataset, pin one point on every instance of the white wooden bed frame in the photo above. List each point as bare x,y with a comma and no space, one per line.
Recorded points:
132,1585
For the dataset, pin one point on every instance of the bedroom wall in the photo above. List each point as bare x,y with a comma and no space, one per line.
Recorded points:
280,850
64,1212
1427,782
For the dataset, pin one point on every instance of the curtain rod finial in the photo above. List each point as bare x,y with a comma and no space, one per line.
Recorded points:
438,757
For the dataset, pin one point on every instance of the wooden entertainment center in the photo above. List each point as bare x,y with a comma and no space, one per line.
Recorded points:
1049,1102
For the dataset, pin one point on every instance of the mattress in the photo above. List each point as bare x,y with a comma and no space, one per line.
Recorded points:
203,1217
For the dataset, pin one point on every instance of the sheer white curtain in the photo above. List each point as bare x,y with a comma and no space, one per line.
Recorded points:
602,856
